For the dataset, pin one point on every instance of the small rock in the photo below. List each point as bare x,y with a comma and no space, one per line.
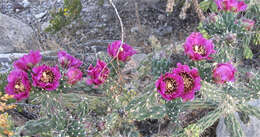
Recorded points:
165,30
17,10
105,17
16,36
85,10
98,48
134,29
26,3
78,32
17,7
161,17
40,15
90,8
101,25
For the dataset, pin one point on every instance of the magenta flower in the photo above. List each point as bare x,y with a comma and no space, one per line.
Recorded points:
68,61
97,74
248,24
125,52
28,61
198,48
224,72
170,86
231,5
18,84
191,80
74,75
46,77
241,6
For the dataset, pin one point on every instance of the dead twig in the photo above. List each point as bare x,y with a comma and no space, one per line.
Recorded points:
198,10
184,9
138,17
187,5
170,5
120,20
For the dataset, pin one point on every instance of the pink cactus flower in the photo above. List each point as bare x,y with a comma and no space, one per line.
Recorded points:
73,75
241,6
125,52
198,48
219,4
98,74
191,81
68,61
224,72
231,5
28,61
248,24
170,86
18,85
46,77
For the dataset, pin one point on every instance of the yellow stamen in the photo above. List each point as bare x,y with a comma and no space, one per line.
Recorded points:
188,82
47,77
170,85
19,87
199,49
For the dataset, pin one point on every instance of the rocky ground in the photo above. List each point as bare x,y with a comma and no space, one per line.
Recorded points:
97,26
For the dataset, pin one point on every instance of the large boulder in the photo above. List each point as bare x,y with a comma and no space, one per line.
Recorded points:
15,36
250,130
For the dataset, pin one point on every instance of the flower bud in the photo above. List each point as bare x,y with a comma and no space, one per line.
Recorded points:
231,37
248,24
224,72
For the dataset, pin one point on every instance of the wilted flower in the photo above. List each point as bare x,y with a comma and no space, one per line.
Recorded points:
74,75
18,85
231,5
101,126
46,77
191,80
216,38
97,74
249,76
125,52
224,72
28,61
170,86
212,18
3,100
68,61
198,48
5,126
248,24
